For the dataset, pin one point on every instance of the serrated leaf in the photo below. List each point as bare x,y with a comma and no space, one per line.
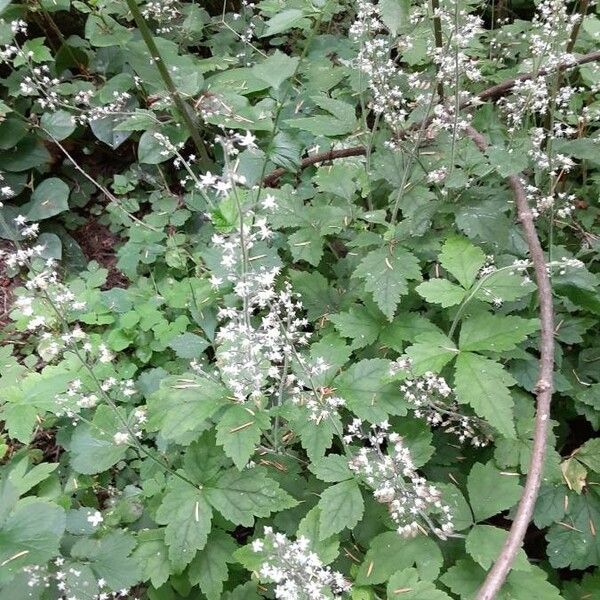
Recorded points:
503,286
574,542
389,553
309,527
276,68
91,452
364,388
483,384
242,496
462,259
306,244
431,352
109,558
394,14
188,345
239,431
441,291
386,274
151,554
589,454
341,507
405,584
283,21
332,468
496,333
183,403
466,577
187,515
359,324
209,569
484,544
30,535
491,492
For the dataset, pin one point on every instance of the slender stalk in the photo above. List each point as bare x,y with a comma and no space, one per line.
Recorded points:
181,105
439,41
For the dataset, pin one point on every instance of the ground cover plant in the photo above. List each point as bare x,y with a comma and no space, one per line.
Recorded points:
299,300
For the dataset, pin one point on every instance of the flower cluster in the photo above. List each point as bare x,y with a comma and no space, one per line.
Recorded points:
433,400
163,12
67,579
253,346
297,572
414,505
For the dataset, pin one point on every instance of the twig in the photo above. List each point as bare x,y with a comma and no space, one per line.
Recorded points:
497,574
491,93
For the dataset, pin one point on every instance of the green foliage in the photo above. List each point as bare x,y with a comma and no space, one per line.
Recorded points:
192,354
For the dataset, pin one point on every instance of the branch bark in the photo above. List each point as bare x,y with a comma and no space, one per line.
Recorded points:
497,574
491,93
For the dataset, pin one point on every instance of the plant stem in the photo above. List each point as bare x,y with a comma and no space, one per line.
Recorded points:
181,105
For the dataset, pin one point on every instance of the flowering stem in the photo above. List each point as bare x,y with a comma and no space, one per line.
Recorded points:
439,41
181,105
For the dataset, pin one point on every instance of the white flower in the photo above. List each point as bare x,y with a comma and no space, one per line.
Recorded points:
95,518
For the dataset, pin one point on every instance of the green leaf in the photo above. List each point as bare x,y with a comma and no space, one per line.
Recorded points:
491,492
394,14
342,121
574,542
242,496
151,151
341,507
386,274
496,333
332,468
466,577
589,454
441,291
389,553
50,197
406,585
188,345
187,515
59,124
109,557
93,452
358,324
151,555
104,31
483,384
183,403
283,21
276,68
364,388
462,259
503,286
484,544
431,352
30,535
306,244
239,431
507,161
309,527
209,569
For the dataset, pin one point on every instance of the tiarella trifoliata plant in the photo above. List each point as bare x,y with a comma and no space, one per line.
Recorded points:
285,288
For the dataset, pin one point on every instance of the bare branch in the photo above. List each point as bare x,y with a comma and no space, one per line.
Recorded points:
497,574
